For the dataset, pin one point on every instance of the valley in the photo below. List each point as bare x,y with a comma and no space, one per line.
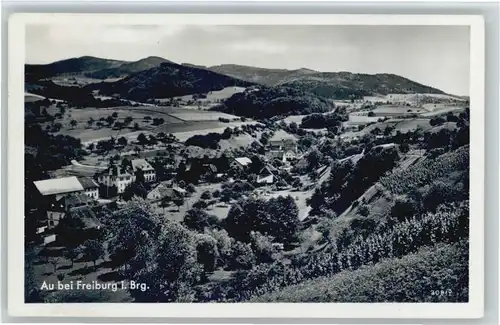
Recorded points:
265,184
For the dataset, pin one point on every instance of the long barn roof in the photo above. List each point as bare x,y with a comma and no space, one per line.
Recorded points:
58,185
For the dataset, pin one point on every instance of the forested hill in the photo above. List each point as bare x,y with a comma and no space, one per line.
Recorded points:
266,102
128,68
339,85
90,67
81,65
268,77
168,80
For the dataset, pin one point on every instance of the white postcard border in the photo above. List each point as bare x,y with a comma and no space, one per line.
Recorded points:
15,166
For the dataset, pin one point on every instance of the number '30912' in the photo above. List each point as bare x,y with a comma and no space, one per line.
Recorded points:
446,293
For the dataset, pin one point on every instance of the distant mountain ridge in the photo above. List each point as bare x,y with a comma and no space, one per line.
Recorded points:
168,80
129,68
338,85
81,65
156,77
91,67
268,77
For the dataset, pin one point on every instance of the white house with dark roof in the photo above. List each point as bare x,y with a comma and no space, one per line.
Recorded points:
283,141
266,175
118,176
145,166
90,187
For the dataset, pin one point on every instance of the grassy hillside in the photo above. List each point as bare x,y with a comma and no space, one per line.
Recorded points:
168,80
419,275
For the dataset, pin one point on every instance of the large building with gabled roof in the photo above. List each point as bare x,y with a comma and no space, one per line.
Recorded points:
59,187
147,169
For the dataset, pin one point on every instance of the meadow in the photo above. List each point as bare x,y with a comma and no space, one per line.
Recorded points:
212,96
395,110
177,120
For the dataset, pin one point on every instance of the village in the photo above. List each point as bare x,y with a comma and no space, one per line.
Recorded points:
201,168
89,187
174,176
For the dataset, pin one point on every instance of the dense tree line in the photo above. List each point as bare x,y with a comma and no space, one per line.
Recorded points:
49,152
277,217
321,121
210,140
274,101
75,96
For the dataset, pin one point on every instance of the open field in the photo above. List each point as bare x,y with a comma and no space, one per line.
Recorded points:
443,110
189,129
30,97
240,141
402,125
413,98
181,122
362,119
391,110
202,115
294,119
215,95
405,125
78,81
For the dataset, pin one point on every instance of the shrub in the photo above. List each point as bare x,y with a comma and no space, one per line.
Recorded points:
364,211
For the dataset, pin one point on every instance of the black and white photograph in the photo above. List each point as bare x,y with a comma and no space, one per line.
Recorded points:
247,163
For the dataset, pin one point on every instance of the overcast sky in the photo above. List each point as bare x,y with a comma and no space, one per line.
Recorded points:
433,55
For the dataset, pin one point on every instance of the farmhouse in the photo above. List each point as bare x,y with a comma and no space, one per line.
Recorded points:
283,141
266,176
241,163
163,191
283,155
147,169
59,208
